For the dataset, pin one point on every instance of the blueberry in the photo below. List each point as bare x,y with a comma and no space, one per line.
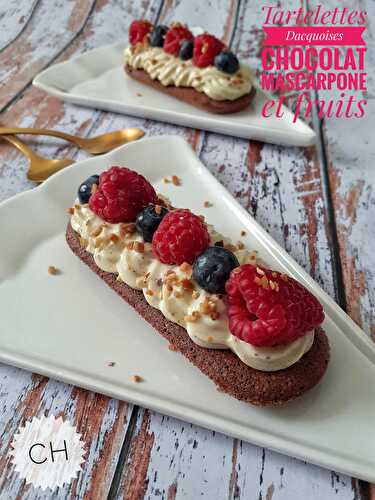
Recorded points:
84,190
186,50
226,61
158,35
148,220
212,268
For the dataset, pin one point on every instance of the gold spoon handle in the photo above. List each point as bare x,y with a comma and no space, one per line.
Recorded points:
21,146
39,131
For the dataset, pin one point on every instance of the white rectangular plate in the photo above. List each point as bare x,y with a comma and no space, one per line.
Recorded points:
70,326
97,79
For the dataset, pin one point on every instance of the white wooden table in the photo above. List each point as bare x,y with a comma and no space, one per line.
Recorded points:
317,202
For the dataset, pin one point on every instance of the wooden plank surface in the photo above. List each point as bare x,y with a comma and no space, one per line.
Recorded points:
284,188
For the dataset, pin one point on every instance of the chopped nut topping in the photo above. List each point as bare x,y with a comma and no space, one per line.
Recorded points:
210,338
97,231
99,242
158,209
193,317
171,347
136,379
215,315
240,245
153,61
52,270
77,207
83,242
186,268
178,294
139,247
94,188
70,210
166,181
243,232
127,229
195,294
149,292
199,78
230,247
169,288
139,94
176,180
263,282
114,238
187,284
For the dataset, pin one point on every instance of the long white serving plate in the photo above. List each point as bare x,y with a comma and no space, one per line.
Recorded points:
70,326
97,79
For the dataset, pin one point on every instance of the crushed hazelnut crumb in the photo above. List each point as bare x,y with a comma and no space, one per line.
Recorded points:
176,180
186,268
139,94
52,270
177,294
214,315
136,379
114,238
139,247
187,284
127,229
149,292
70,210
77,206
207,204
82,242
210,338
240,245
195,294
243,232
166,180
97,231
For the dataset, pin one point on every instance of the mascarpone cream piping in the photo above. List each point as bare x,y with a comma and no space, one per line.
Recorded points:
143,271
170,70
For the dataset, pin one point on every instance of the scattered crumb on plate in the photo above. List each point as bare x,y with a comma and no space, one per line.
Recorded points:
136,379
111,363
52,270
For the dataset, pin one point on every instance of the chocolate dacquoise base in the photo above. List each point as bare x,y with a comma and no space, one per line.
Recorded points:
224,368
192,96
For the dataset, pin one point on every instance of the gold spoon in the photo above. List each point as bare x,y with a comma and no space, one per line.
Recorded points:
40,168
94,145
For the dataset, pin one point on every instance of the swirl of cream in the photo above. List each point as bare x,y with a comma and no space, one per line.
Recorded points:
170,70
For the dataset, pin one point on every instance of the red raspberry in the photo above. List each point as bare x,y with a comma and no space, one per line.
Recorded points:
180,237
138,31
174,38
266,308
206,48
122,193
